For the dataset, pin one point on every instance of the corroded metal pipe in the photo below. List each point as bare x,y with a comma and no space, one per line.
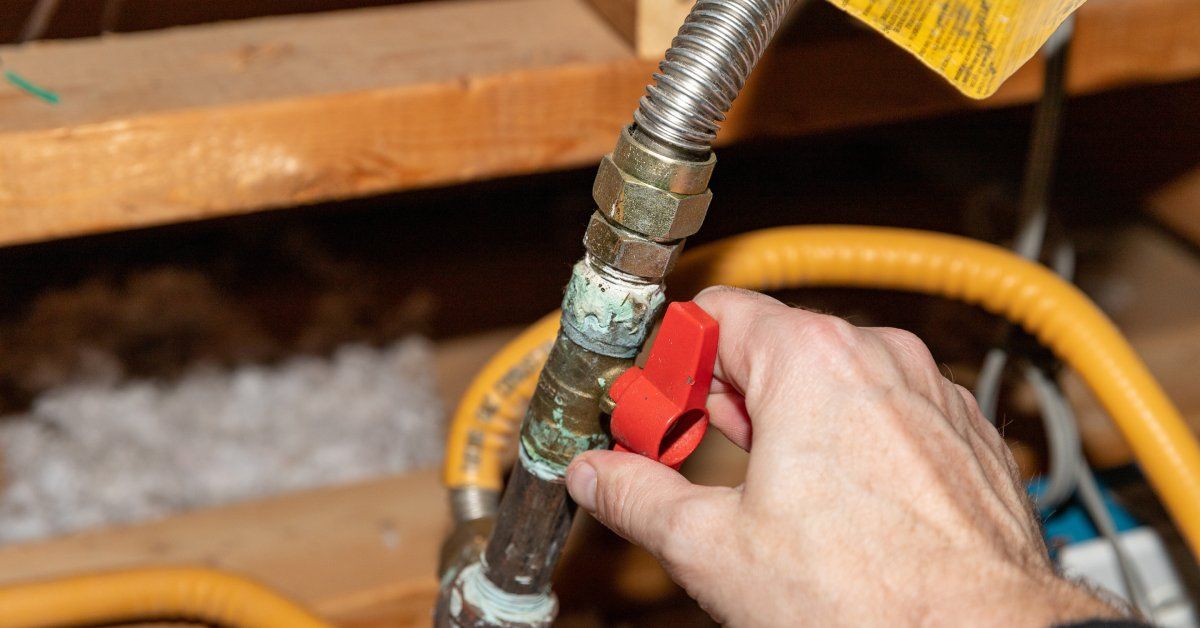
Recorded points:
651,194
606,316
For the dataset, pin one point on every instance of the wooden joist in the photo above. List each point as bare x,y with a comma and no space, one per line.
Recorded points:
363,555
230,118
648,25
1177,204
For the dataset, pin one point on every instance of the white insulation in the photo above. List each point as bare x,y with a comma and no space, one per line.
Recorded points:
93,454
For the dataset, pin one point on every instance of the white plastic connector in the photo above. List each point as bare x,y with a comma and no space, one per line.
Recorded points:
1095,562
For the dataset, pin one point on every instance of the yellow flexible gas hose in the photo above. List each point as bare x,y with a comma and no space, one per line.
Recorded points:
194,594
1025,293
492,408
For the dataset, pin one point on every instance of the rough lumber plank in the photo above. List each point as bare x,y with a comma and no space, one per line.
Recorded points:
648,25
351,553
265,60
231,118
866,80
212,120
1178,205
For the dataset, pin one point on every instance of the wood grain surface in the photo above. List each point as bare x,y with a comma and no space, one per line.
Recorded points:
229,118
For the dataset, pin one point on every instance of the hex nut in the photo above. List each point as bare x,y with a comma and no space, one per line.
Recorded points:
663,172
641,207
627,251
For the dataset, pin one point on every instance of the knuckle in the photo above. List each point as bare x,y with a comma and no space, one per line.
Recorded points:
913,350
722,291
968,398
830,336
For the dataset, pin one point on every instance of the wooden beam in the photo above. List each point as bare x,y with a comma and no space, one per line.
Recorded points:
647,25
1177,204
359,555
231,118
224,119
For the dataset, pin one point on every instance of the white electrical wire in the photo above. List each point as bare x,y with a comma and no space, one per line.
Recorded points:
1060,420
1068,471
1062,441
1035,187
1062,434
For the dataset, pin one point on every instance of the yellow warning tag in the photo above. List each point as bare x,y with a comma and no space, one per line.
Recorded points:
974,44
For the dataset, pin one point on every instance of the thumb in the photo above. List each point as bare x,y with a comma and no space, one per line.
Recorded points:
648,503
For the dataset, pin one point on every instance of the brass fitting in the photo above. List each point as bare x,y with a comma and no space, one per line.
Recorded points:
662,171
627,251
660,197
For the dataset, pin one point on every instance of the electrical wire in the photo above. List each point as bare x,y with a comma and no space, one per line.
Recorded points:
1060,420
1068,472
1035,191
1062,441
1066,452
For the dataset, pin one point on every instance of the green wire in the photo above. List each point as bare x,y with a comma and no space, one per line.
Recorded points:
40,92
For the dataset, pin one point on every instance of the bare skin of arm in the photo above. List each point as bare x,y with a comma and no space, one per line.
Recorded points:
876,494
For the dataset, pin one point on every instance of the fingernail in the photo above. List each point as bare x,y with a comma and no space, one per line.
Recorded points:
581,483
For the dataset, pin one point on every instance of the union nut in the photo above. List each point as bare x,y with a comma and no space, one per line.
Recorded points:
627,251
646,209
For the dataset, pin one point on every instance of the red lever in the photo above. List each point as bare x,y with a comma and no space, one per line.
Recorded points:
659,410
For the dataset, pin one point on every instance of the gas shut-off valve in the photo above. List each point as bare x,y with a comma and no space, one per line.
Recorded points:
659,410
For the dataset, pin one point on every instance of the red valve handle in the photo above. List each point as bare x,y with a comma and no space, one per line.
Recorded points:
659,411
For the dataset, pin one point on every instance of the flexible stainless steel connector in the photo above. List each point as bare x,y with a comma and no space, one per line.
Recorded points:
708,62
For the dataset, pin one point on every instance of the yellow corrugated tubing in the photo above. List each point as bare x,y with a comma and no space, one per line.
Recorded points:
168,593
1025,293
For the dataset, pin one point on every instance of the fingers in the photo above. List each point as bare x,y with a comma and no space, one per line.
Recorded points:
727,412
648,503
741,345
790,365
759,343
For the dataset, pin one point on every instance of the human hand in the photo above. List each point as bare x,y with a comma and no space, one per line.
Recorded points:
876,491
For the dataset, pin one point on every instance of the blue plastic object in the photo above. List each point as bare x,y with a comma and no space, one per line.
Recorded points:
1070,523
